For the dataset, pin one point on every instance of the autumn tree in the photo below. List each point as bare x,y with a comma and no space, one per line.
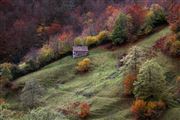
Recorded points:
174,17
137,14
133,59
150,84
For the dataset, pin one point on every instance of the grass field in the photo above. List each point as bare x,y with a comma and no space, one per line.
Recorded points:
101,86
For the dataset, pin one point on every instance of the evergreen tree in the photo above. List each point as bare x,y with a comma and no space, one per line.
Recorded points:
121,29
150,82
31,93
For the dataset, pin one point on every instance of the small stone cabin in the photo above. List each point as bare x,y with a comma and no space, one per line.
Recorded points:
80,51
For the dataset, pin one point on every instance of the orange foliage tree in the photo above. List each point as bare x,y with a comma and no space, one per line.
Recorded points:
128,83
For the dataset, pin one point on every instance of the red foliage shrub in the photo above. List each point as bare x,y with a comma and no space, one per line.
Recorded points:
128,83
84,110
147,110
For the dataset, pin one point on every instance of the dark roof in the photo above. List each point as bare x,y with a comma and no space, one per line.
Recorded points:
80,48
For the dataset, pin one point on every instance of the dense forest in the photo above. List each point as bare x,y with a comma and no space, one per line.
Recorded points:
28,24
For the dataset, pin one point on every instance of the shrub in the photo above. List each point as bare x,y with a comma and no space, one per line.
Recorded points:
103,35
121,30
3,82
9,71
92,40
28,66
4,111
133,59
175,48
138,107
84,110
46,54
150,83
79,41
31,94
76,110
172,45
84,65
147,110
128,83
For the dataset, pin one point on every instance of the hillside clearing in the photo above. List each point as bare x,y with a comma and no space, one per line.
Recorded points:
101,86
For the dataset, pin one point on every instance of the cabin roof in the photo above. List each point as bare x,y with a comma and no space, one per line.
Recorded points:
80,48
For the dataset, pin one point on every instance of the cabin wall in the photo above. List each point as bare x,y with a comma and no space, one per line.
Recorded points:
79,53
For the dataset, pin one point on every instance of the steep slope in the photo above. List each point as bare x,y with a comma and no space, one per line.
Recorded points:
101,86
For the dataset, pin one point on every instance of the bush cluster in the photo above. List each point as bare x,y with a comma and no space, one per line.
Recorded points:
150,110
84,65
172,45
146,81
169,45
9,71
46,54
92,40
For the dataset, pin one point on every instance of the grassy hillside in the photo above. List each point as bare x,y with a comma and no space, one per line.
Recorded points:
101,86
